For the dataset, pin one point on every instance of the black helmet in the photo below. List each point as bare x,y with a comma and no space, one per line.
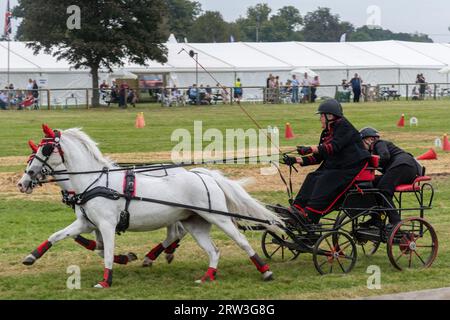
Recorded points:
368,132
331,106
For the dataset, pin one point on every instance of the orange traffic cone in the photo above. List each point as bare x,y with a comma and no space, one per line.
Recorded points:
401,122
140,121
446,144
289,134
429,155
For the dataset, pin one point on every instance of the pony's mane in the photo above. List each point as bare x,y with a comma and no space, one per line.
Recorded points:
89,144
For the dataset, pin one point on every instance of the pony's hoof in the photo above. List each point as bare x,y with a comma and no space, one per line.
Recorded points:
147,262
102,285
29,260
170,257
210,276
131,256
268,275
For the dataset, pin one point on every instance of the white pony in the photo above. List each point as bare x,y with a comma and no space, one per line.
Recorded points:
190,197
63,181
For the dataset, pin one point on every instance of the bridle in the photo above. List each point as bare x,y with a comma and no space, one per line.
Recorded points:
47,145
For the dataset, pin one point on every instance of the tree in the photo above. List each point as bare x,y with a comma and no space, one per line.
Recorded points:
209,27
284,26
377,34
321,25
110,32
256,20
181,17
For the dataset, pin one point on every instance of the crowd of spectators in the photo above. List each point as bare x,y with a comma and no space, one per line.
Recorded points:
18,98
294,90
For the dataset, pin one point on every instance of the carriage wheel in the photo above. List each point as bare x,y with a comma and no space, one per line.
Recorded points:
412,244
334,252
368,247
275,247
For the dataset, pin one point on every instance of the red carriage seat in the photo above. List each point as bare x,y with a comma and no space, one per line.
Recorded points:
368,173
415,186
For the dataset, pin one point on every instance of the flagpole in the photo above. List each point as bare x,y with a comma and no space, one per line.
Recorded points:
8,40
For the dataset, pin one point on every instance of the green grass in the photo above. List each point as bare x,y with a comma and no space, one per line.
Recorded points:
114,129
25,224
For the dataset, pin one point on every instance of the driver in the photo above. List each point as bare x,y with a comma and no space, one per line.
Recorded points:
398,167
341,155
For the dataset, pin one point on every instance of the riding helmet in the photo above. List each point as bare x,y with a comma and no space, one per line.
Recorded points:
368,132
331,106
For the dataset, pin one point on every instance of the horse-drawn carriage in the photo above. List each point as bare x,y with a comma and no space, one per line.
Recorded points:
333,243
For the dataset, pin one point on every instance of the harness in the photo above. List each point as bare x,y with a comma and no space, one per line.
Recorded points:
51,141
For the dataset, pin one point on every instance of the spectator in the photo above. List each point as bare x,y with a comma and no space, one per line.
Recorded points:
3,101
295,84
238,90
114,93
204,95
103,90
192,94
306,88
356,83
268,81
123,93
30,86
35,95
277,90
177,96
345,85
314,84
132,98
271,89
224,94
415,95
421,80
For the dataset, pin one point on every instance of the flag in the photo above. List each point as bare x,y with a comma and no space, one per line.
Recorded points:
8,15
231,38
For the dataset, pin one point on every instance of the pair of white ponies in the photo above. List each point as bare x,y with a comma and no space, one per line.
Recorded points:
75,151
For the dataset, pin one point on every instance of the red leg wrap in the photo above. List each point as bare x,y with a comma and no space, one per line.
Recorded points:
43,248
155,252
121,259
210,275
88,244
107,278
171,248
259,263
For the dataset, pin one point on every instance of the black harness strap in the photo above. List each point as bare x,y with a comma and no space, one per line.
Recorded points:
103,192
206,187
288,187
223,213
128,190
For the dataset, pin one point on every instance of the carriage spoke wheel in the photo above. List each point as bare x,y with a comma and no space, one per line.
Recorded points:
275,247
368,247
334,252
412,244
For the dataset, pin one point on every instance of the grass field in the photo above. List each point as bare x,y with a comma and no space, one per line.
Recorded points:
25,221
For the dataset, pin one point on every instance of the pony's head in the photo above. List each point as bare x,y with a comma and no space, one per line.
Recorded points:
45,159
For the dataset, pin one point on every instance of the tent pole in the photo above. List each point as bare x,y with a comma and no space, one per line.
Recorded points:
8,39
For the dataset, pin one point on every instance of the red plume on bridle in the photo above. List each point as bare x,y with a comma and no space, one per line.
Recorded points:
48,132
33,146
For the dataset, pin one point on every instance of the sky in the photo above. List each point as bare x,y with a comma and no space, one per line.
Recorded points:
425,16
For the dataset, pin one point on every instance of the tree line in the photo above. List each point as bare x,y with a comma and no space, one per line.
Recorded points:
187,20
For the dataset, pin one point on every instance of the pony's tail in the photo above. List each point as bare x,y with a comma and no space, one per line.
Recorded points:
239,201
